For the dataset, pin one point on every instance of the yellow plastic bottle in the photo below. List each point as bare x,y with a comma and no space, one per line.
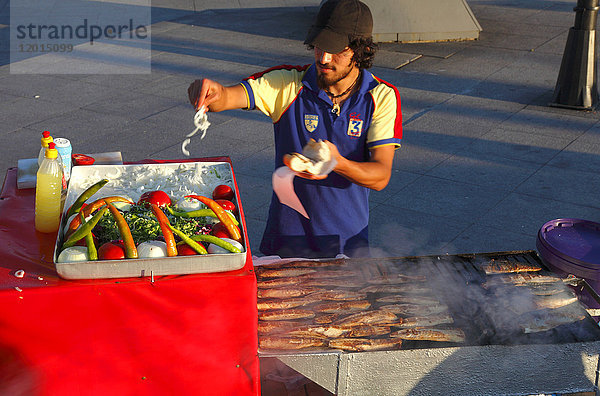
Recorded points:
48,192
46,138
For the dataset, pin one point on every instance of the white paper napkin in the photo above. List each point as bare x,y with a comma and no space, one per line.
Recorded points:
283,185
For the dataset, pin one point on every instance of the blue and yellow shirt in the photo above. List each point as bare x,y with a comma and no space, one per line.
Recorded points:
338,209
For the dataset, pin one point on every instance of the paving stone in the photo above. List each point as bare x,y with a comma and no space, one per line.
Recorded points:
400,232
485,170
480,238
525,214
565,125
446,198
27,111
517,145
566,185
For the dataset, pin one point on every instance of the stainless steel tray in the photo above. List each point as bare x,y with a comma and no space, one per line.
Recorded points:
177,179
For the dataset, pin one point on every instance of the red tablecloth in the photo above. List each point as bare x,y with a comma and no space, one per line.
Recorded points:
191,334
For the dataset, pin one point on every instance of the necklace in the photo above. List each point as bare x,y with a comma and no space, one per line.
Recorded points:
332,96
336,106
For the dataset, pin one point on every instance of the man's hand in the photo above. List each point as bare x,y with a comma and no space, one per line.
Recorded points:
204,92
216,97
374,174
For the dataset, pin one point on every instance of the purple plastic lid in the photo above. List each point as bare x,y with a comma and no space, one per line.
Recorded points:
575,240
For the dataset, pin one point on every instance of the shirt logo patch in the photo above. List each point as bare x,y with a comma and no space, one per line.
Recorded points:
311,121
355,126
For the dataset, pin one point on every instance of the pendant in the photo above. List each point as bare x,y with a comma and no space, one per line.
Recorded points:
336,109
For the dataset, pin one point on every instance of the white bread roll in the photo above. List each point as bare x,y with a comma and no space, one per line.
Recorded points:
314,159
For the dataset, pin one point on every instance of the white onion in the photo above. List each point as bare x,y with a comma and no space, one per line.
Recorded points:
123,206
151,249
188,204
73,254
212,248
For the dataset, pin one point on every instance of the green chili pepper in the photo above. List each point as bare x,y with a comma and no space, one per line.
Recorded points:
76,207
217,241
200,213
89,241
84,229
198,248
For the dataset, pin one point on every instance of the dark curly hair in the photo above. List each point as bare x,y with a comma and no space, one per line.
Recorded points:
364,51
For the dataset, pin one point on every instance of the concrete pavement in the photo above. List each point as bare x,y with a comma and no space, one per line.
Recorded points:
484,163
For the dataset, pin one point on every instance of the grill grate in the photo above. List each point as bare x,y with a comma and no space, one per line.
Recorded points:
488,314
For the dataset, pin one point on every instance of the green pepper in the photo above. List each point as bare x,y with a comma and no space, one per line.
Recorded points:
198,248
217,241
200,213
84,229
76,207
89,241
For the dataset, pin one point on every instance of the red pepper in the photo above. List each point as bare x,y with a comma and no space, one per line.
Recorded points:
82,159
232,229
124,231
91,208
166,230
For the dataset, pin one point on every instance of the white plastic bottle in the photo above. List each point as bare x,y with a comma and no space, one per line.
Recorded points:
48,192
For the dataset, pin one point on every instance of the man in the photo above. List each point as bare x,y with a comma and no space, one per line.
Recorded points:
334,99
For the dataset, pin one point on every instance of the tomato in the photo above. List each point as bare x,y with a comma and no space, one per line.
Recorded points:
223,191
227,205
219,230
111,251
159,198
185,250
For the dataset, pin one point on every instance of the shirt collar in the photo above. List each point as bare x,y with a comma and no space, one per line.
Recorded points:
310,81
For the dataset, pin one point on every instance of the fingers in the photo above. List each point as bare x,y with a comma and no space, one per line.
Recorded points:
198,93
310,176
194,92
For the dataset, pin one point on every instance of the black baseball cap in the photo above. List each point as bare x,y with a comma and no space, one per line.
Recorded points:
338,21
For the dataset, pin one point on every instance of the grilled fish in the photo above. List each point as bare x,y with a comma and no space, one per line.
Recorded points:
504,266
306,264
370,317
263,305
276,326
283,272
283,342
286,314
286,292
332,282
367,331
404,299
415,309
328,318
344,306
395,278
521,279
554,301
277,282
426,321
340,295
365,344
549,322
405,289
319,331
430,334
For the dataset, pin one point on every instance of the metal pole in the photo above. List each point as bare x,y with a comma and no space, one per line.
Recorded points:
576,87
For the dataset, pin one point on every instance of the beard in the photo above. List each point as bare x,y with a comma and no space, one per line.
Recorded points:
325,81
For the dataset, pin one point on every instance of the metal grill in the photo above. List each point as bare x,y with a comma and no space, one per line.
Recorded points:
497,357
